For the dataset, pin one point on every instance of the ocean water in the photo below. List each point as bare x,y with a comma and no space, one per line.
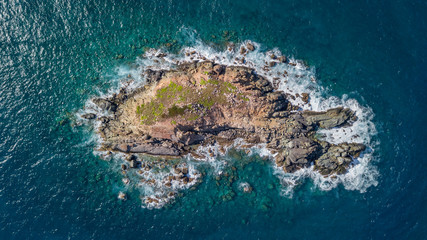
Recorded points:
55,55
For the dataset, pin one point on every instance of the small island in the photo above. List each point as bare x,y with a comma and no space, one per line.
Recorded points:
202,103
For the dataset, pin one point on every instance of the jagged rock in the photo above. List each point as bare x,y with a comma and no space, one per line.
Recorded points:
188,138
331,118
105,104
298,153
338,157
153,76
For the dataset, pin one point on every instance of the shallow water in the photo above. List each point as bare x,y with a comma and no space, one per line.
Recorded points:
54,56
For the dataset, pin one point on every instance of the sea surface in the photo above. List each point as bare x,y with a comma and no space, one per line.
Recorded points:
56,55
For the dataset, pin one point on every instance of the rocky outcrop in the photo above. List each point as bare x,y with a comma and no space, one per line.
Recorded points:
105,105
203,103
338,157
331,118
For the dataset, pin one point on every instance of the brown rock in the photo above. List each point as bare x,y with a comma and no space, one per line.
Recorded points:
250,46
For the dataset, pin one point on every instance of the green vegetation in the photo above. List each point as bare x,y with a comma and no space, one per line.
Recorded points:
214,82
178,101
175,110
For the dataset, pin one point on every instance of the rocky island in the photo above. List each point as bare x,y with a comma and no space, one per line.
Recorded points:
202,103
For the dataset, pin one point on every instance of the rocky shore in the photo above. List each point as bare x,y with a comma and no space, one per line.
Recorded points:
202,103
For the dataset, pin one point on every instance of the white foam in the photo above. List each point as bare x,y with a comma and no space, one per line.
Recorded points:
294,78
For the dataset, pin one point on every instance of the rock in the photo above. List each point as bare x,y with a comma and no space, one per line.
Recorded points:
331,118
305,97
151,148
121,148
105,104
355,149
191,138
219,69
185,180
125,180
130,158
250,46
104,119
122,96
122,196
153,76
337,159
89,116
133,164
246,187
282,59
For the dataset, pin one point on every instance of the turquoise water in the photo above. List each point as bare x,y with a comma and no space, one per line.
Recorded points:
54,56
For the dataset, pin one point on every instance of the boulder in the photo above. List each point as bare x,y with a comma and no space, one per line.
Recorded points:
133,164
250,46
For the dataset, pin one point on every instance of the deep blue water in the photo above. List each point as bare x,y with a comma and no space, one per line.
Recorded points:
54,55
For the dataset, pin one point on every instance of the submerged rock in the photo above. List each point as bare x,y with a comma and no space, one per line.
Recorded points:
122,196
246,187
